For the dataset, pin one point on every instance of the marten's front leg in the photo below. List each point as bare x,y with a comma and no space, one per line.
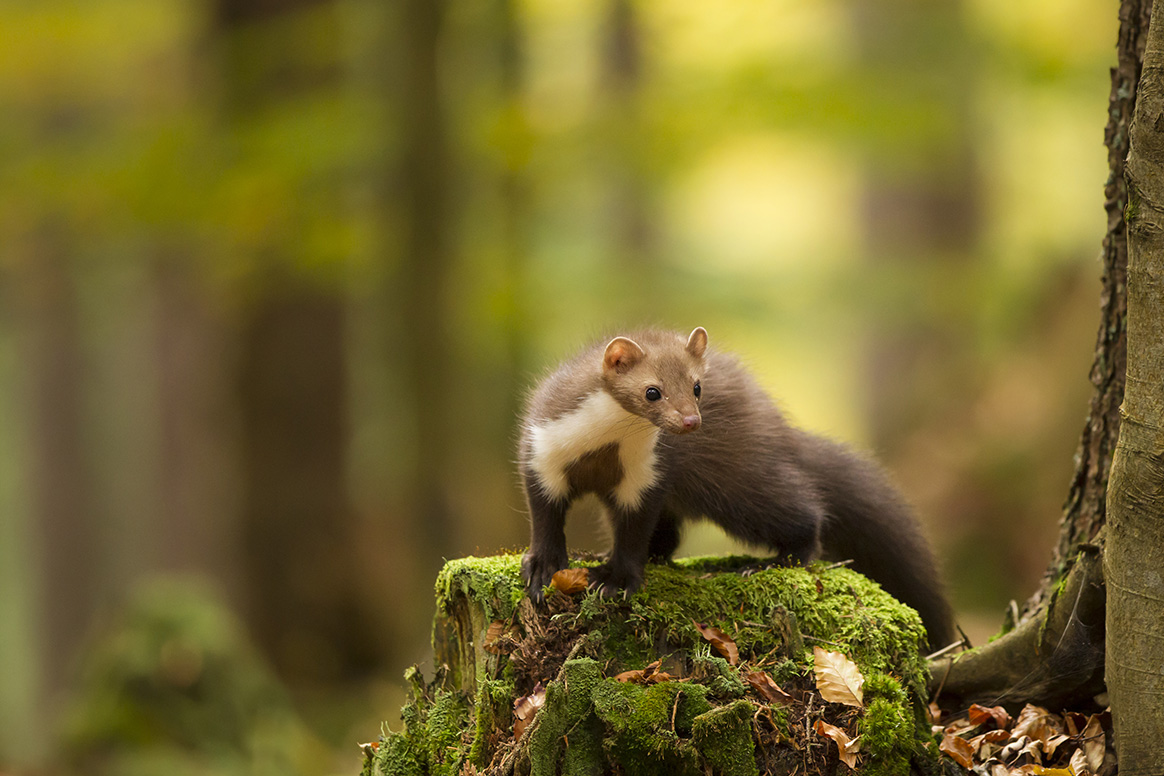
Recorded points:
547,546
623,570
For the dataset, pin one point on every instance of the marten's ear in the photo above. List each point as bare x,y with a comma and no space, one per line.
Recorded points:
697,342
621,354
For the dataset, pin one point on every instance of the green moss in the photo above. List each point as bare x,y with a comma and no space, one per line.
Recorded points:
433,739
649,728
724,738
785,672
567,732
396,755
889,727
721,679
589,722
491,710
494,583
779,717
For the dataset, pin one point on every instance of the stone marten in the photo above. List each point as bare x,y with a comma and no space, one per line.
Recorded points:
664,429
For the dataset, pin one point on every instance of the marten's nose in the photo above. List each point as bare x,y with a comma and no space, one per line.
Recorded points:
690,422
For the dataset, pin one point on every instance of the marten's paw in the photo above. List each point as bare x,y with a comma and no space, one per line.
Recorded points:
537,569
611,580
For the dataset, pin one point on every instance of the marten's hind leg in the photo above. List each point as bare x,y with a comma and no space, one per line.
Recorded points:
665,538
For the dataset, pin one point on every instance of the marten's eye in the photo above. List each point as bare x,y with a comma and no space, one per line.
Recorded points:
654,394
698,390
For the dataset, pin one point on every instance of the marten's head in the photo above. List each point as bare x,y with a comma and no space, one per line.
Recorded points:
658,379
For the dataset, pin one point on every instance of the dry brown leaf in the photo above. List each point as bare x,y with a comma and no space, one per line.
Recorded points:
847,748
980,714
649,675
1094,743
492,636
838,678
1079,763
766,687
1024,747
986,744
958,749
1053,743
571,581
1074,722
720,641
525,708
1036,722
935,713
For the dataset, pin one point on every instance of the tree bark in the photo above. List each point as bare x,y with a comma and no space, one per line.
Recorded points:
1135,498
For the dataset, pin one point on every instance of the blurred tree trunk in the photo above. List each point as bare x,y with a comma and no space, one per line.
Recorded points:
421,345
623,73
298,545
1055,652
63,504
515,203
915,213
1135,498
194,512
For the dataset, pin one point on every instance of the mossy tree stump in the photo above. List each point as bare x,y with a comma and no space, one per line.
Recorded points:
692,713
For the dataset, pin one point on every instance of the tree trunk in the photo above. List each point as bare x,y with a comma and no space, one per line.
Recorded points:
1059,633
1135,498
63,504
300,567
421,345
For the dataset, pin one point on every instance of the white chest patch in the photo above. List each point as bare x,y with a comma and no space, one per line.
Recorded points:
598,422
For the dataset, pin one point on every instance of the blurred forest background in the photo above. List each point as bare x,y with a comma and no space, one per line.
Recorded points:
275,274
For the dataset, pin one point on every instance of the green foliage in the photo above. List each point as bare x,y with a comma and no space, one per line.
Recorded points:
174,683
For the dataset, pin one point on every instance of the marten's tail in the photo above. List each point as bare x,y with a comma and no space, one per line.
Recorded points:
869,522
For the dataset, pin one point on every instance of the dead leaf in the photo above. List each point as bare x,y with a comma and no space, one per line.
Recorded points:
525,708
1053,743
649,675
1079,763
1094,743
847,748
1036,722
720,641
766,687
1074,722
935,713
958,749
984,745
980,714
1024,746
496,641
571,581
1038,770
838,678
